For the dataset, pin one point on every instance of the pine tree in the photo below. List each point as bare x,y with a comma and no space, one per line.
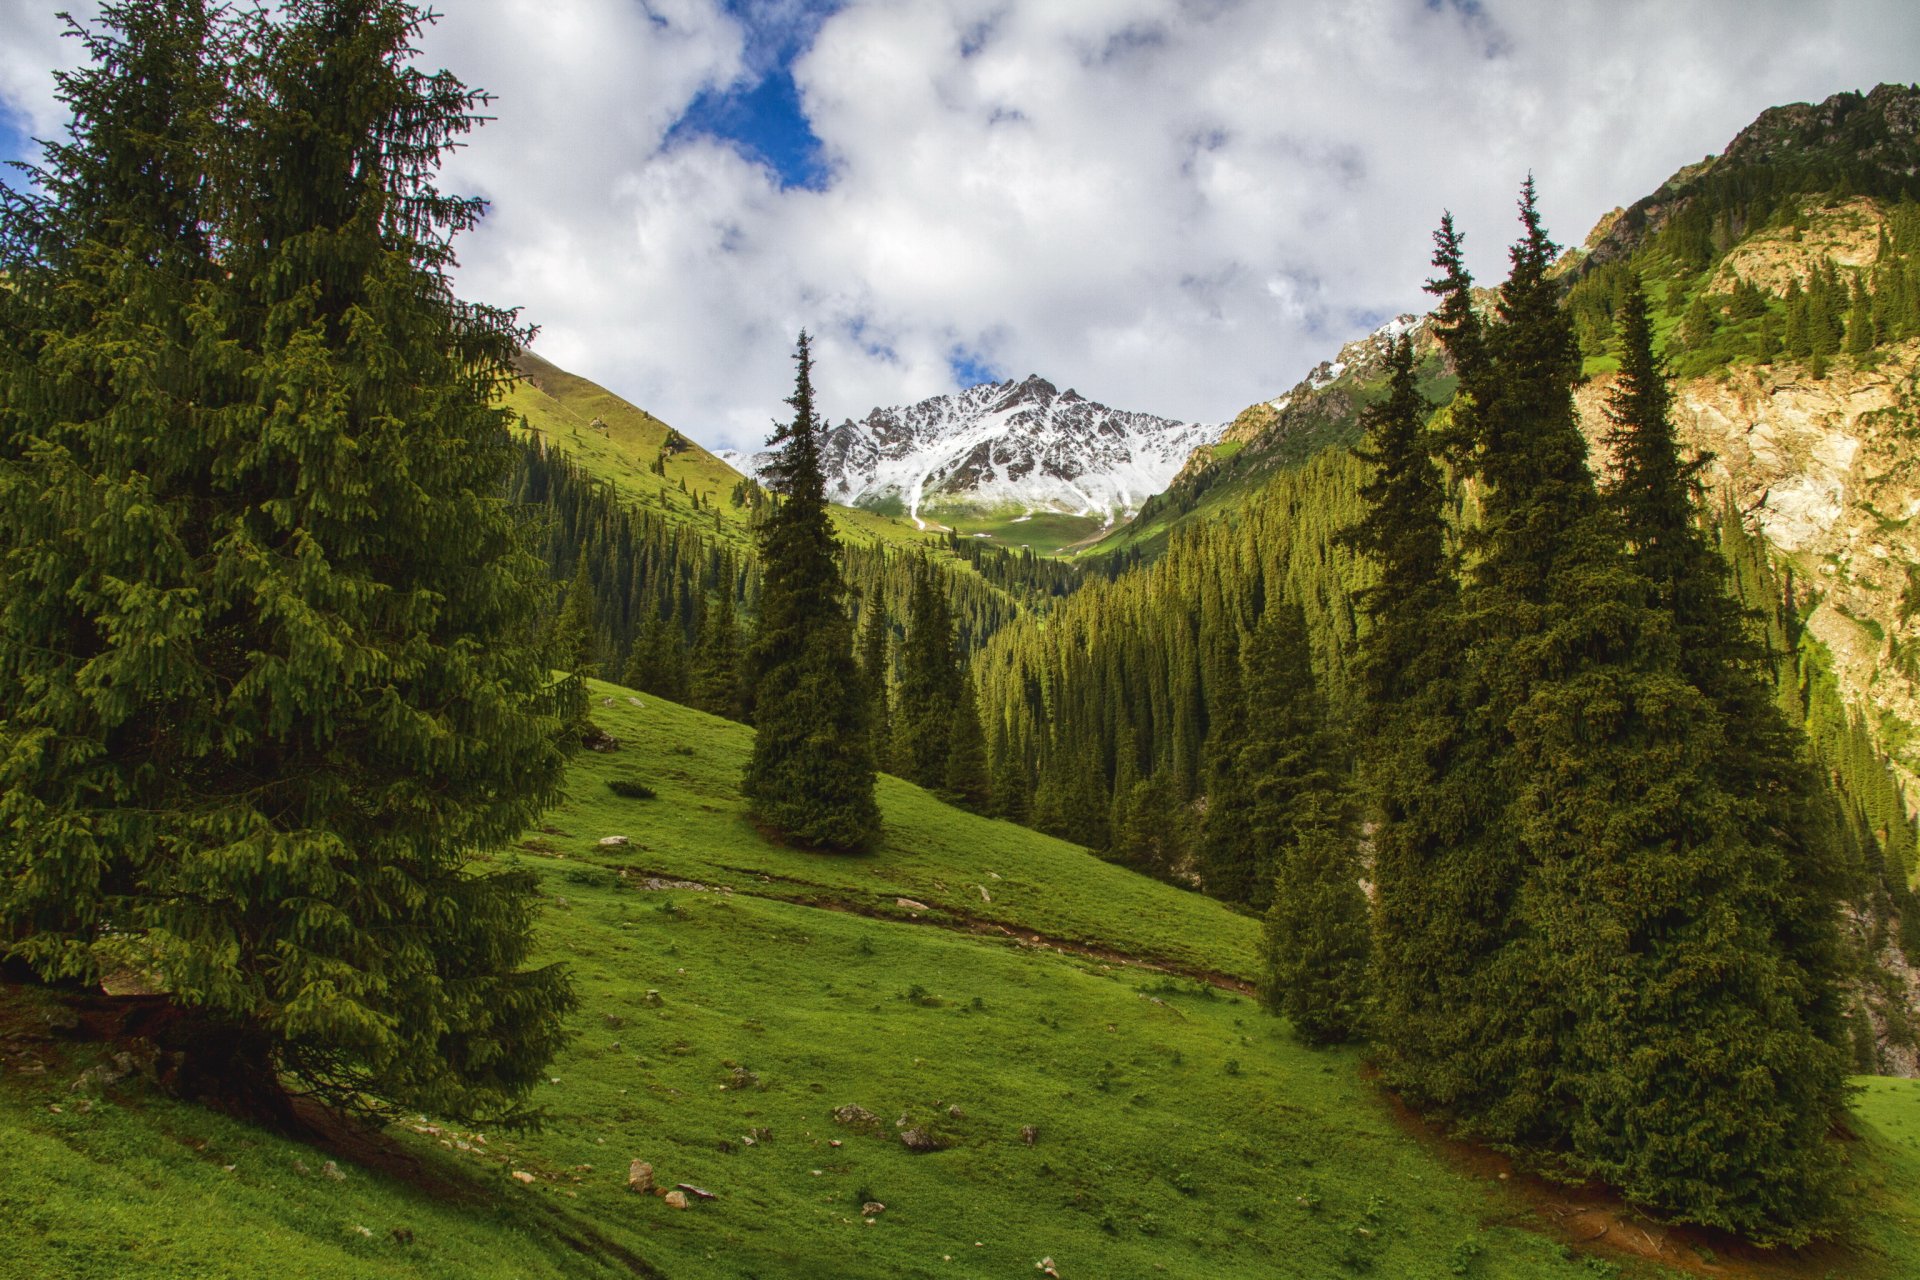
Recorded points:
1763,906
1314,947
875,642
1860,335
811,776
966,780
275,674
1289,754
929,684
714,670
576,628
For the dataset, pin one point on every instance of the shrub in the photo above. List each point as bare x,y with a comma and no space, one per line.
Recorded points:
628,789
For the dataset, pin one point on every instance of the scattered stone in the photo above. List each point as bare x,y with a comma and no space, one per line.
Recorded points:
521,1175
741,1078
594,738
613,842
955,1113
857,1117
606,702
1045,1268
694,1191
614,1021
833,1142
760,1133
911,905
640,1177
1029,1134
872,1209
635,702
365,1232
300,1167
402,1235
332,1170
984,895
920,1141
676,1200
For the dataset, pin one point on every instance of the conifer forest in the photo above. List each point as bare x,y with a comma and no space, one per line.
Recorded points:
1459,819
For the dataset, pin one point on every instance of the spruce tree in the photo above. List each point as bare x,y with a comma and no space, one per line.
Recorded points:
1289,755
966,782
1766,905
576,628
1225,848
1315,944
811,775
875,643
713,673
929,684
270,655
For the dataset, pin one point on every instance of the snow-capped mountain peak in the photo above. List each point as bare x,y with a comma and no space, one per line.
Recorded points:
1006,444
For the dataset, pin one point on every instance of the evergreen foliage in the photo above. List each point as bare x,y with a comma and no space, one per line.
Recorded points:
811,776
1642,970
270,652
1314,948
930,680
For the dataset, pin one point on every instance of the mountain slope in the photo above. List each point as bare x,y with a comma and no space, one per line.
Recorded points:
1178,1130
1818,448
1023,447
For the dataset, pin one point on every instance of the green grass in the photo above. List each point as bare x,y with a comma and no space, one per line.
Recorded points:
1180,1130
1046,532
623,448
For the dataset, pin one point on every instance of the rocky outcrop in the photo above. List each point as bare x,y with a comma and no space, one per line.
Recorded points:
1829,471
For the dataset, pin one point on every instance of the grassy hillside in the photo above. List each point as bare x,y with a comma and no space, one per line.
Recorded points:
621,444
736,993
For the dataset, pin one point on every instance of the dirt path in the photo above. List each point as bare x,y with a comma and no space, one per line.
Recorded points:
826,898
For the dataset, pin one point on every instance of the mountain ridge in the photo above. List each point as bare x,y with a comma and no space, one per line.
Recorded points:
1014,444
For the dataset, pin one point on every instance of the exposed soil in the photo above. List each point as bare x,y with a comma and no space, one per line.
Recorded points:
1595,1220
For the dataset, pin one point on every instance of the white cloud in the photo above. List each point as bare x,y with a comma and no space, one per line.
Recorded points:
1172,205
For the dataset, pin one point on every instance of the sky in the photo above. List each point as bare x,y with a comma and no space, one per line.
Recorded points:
1176,206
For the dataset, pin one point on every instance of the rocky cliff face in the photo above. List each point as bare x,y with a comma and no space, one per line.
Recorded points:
1010,444
1829,471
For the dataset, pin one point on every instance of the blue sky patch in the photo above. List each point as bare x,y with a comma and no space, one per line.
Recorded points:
970,368
15,144
761,114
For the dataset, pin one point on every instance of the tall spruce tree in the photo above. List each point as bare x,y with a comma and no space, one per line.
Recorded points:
876,643
1766,903
1315,944
966,782
811,775
713,673
1620,977
271,672
1288,757
1427,798
929,684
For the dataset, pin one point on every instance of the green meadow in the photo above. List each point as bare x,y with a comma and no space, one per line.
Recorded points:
1071,1037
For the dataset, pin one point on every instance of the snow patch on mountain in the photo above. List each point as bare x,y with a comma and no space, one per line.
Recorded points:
1007,444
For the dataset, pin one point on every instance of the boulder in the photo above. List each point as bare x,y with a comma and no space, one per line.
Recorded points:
1029,1134
640,1177
676,1200
872,1209
857,1117
652,999
920,1140
614,842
